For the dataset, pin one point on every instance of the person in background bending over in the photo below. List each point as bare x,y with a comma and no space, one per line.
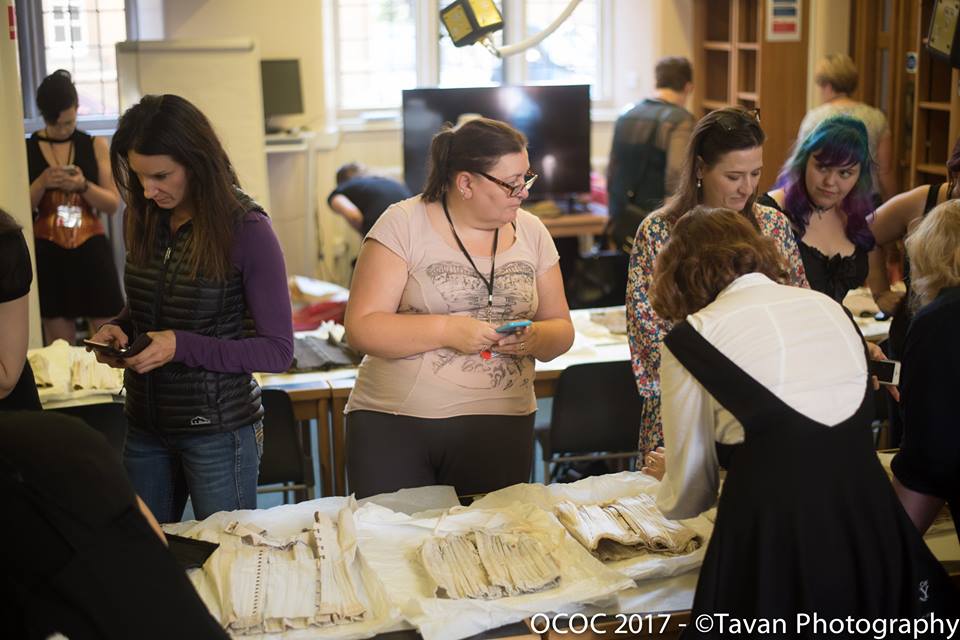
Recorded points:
206,283
361,197
71,183
649,146
441,397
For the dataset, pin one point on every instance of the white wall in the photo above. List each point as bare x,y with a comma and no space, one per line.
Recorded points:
14,178
643,31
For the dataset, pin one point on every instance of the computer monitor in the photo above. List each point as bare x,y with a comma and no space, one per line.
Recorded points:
282,95
555,119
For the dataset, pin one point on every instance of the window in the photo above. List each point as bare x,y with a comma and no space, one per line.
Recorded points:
376,51
385,46
79,36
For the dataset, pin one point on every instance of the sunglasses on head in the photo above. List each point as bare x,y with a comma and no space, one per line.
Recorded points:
734,119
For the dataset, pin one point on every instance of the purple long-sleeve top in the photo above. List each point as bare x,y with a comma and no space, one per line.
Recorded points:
259,259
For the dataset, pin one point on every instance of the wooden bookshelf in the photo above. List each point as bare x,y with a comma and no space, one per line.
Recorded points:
735,65
936,114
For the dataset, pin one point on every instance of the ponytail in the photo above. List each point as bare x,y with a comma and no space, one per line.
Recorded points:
439,163
475,146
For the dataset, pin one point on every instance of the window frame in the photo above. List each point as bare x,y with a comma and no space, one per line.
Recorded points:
33,64
427,21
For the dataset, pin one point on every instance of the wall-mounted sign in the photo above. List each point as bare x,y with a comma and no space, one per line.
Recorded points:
783,20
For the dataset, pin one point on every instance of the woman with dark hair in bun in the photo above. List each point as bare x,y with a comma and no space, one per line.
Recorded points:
71,184
441,396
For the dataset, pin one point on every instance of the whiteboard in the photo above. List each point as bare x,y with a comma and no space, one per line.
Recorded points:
222,78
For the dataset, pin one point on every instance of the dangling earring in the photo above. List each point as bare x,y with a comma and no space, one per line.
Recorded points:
699,183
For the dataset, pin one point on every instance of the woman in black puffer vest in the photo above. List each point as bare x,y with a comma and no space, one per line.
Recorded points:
205,282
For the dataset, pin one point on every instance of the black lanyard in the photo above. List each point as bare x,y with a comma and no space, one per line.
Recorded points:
463,249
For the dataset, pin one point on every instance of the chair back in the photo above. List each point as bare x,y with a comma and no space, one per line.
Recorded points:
284,459
596,408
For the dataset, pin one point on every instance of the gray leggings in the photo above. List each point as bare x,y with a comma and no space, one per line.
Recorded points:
475,454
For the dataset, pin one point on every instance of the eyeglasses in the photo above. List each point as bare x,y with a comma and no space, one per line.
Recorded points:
513,190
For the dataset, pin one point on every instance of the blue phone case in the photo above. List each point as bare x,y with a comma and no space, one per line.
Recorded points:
510,327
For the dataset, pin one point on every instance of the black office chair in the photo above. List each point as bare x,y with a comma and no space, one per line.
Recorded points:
596,416
286,464
105,417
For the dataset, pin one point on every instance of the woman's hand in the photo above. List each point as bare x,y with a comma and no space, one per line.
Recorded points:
114,336
876,353
519,343
655,463
889,300
160,351
73,182
468,335
54,178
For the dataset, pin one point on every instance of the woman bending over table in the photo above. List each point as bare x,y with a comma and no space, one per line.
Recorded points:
441,397
770,382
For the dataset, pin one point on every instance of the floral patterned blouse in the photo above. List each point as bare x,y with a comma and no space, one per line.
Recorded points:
646,330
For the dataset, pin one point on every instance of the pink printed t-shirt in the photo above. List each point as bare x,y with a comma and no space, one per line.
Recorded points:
444,383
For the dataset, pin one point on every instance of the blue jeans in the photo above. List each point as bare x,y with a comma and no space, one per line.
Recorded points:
218,471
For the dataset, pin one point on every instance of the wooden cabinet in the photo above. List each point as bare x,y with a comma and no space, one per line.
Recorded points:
936,115
735,65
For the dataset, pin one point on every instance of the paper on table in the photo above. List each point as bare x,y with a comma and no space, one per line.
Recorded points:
417,500
390,542
600,489
286,521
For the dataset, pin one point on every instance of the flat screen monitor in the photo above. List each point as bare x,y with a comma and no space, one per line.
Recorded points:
281,87
555,119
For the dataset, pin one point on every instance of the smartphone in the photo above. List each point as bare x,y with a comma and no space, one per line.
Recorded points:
887,371
111,351
516,325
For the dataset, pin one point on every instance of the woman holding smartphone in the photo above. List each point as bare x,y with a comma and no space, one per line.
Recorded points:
205,281
442,397
70,186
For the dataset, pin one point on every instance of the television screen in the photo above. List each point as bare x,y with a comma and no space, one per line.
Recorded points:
555,119
281,87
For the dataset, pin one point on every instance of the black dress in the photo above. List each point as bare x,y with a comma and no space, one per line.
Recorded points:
834,275
830,275
82,282
807,520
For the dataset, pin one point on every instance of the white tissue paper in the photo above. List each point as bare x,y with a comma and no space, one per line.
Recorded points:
390,542
286,521
601,489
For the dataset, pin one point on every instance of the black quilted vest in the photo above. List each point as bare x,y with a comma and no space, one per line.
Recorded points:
161,295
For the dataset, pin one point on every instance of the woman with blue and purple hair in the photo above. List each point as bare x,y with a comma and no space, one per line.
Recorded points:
826,190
